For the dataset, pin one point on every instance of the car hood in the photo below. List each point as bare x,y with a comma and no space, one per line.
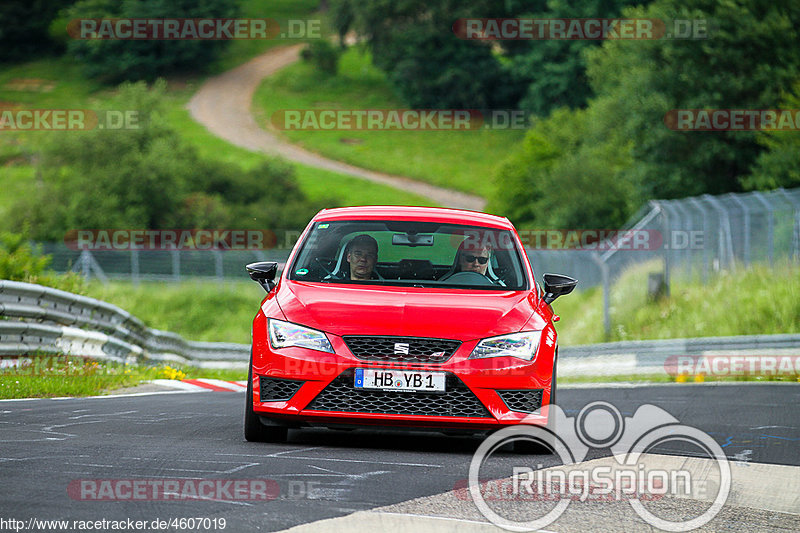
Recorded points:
364,310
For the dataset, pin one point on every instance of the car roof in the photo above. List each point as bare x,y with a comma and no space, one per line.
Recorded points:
424,214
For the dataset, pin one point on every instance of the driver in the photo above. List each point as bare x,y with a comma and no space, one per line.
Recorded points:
472,258
362,254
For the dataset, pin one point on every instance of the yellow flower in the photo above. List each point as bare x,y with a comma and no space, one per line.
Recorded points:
699,378
681,378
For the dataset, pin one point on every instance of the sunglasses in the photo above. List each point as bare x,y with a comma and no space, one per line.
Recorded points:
470,258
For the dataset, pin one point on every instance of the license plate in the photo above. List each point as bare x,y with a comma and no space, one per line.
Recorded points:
404,380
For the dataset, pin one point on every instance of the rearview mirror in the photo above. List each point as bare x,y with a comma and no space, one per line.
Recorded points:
556,285
263,273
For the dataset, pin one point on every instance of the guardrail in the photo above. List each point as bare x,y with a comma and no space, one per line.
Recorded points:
39,319
643,358
43,320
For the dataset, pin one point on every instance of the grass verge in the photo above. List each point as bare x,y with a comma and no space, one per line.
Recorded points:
59,376
731,303
462,160
198,311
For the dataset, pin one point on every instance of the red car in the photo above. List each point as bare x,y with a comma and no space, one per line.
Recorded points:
402,316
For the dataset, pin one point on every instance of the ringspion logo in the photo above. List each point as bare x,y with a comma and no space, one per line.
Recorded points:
631,439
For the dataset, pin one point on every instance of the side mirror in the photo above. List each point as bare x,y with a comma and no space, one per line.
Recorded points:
556,285
263,273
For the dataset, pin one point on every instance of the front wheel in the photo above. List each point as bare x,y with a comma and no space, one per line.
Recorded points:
254,430
545,446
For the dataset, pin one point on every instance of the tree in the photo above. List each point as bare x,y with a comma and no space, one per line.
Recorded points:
24,28
150,178
413,42
553,70
115,60
567,171
779,164
750,58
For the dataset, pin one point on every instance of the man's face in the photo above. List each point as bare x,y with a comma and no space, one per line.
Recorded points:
470,261
362,260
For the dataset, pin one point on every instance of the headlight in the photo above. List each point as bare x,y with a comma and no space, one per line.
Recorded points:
522,345
284,334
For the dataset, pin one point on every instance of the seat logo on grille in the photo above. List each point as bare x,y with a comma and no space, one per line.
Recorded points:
401,348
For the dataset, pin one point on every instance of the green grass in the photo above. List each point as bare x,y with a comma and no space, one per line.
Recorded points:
731,304
58,83
317,184
463,160
242,50
199,311
58,376
739,303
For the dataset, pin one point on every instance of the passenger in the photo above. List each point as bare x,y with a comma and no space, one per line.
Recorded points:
472,258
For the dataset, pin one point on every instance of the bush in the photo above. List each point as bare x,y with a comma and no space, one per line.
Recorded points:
20,261
116,60
24,28
150,178
323,55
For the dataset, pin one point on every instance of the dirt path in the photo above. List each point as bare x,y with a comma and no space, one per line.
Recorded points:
222,105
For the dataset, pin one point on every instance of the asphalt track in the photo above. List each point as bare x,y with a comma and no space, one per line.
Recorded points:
47,444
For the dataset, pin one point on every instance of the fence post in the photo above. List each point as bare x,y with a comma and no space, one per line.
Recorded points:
795,224
770,226
704,213
606,293
665,211
135,267
686,224
746,212
218,266
88,264
176,265
726,230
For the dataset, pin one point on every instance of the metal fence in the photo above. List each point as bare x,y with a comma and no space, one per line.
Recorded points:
691,239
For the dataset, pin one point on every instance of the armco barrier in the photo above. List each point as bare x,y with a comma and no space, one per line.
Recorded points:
642,358
36,319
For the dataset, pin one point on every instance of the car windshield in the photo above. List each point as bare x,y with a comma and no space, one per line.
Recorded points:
421,254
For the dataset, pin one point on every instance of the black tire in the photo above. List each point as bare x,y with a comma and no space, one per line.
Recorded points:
529,447
254,430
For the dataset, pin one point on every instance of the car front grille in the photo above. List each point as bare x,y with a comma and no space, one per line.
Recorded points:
401,349
277,390
526,400
341,395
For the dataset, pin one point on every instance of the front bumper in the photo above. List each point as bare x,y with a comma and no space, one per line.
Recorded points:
297,386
